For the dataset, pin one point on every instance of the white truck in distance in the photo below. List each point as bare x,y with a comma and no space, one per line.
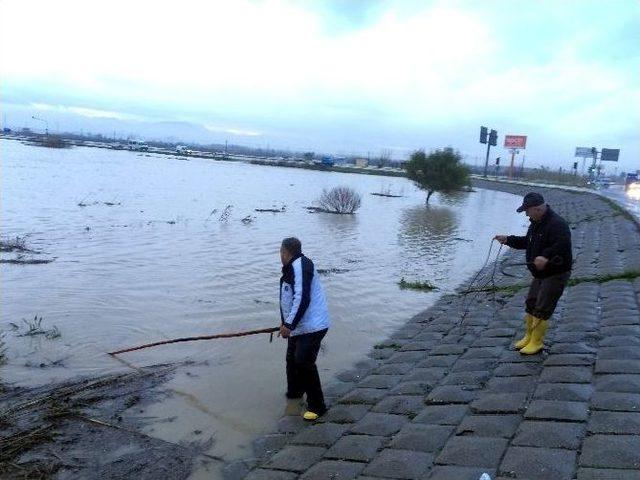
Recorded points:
182,150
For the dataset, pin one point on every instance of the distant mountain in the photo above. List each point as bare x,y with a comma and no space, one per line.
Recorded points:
21,116
185,132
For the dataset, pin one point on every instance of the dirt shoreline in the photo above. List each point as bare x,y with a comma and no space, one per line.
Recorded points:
92,428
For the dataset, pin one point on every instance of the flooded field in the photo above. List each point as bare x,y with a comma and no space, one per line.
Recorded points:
147,248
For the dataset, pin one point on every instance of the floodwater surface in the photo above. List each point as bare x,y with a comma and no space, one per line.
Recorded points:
149,247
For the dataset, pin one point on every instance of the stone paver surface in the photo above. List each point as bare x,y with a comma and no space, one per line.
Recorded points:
331,469
405,464
442,399
359,448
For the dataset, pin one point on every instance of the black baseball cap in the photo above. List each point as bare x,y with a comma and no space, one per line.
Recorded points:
531,199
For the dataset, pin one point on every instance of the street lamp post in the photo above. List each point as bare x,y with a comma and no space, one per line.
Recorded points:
46,124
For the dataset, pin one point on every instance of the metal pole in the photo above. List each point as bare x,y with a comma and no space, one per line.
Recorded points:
513,154
46,124
486,161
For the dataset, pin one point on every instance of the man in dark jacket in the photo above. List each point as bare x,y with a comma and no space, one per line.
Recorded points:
548,255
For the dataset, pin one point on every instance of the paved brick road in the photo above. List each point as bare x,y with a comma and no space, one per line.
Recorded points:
440,400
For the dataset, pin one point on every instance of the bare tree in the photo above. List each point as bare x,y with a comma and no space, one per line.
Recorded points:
343,200
385,158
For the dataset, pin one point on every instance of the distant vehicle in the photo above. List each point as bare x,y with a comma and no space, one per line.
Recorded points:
631,179
6,130
601,183
183,150
325,162
138,146
633,190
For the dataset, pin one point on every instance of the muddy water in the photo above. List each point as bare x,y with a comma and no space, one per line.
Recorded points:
161,263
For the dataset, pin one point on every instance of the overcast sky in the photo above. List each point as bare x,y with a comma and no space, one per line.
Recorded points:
337,76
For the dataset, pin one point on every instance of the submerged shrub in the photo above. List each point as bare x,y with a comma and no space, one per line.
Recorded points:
34,327
343,200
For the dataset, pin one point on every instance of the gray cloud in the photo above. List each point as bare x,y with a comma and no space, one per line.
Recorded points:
350,76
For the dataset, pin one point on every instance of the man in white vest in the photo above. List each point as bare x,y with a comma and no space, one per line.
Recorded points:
305,321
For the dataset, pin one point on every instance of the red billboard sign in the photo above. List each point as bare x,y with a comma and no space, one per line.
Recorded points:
515,141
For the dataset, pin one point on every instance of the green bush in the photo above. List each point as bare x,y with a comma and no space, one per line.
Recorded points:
440,171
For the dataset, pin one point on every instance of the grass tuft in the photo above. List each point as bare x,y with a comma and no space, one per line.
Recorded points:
417,285
629,275
34,327
19,244
381,346
511,290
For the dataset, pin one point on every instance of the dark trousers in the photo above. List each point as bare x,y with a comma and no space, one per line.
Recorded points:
302,373
544,294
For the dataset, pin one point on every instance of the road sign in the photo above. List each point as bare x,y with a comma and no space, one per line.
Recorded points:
583,152
609,154
515,141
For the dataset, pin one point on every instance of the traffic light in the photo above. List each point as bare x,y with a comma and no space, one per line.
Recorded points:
483,134
575,165
498,161
493,138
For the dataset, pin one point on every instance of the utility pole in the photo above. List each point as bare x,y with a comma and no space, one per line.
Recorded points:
486,160
592,171
492,140
514,152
